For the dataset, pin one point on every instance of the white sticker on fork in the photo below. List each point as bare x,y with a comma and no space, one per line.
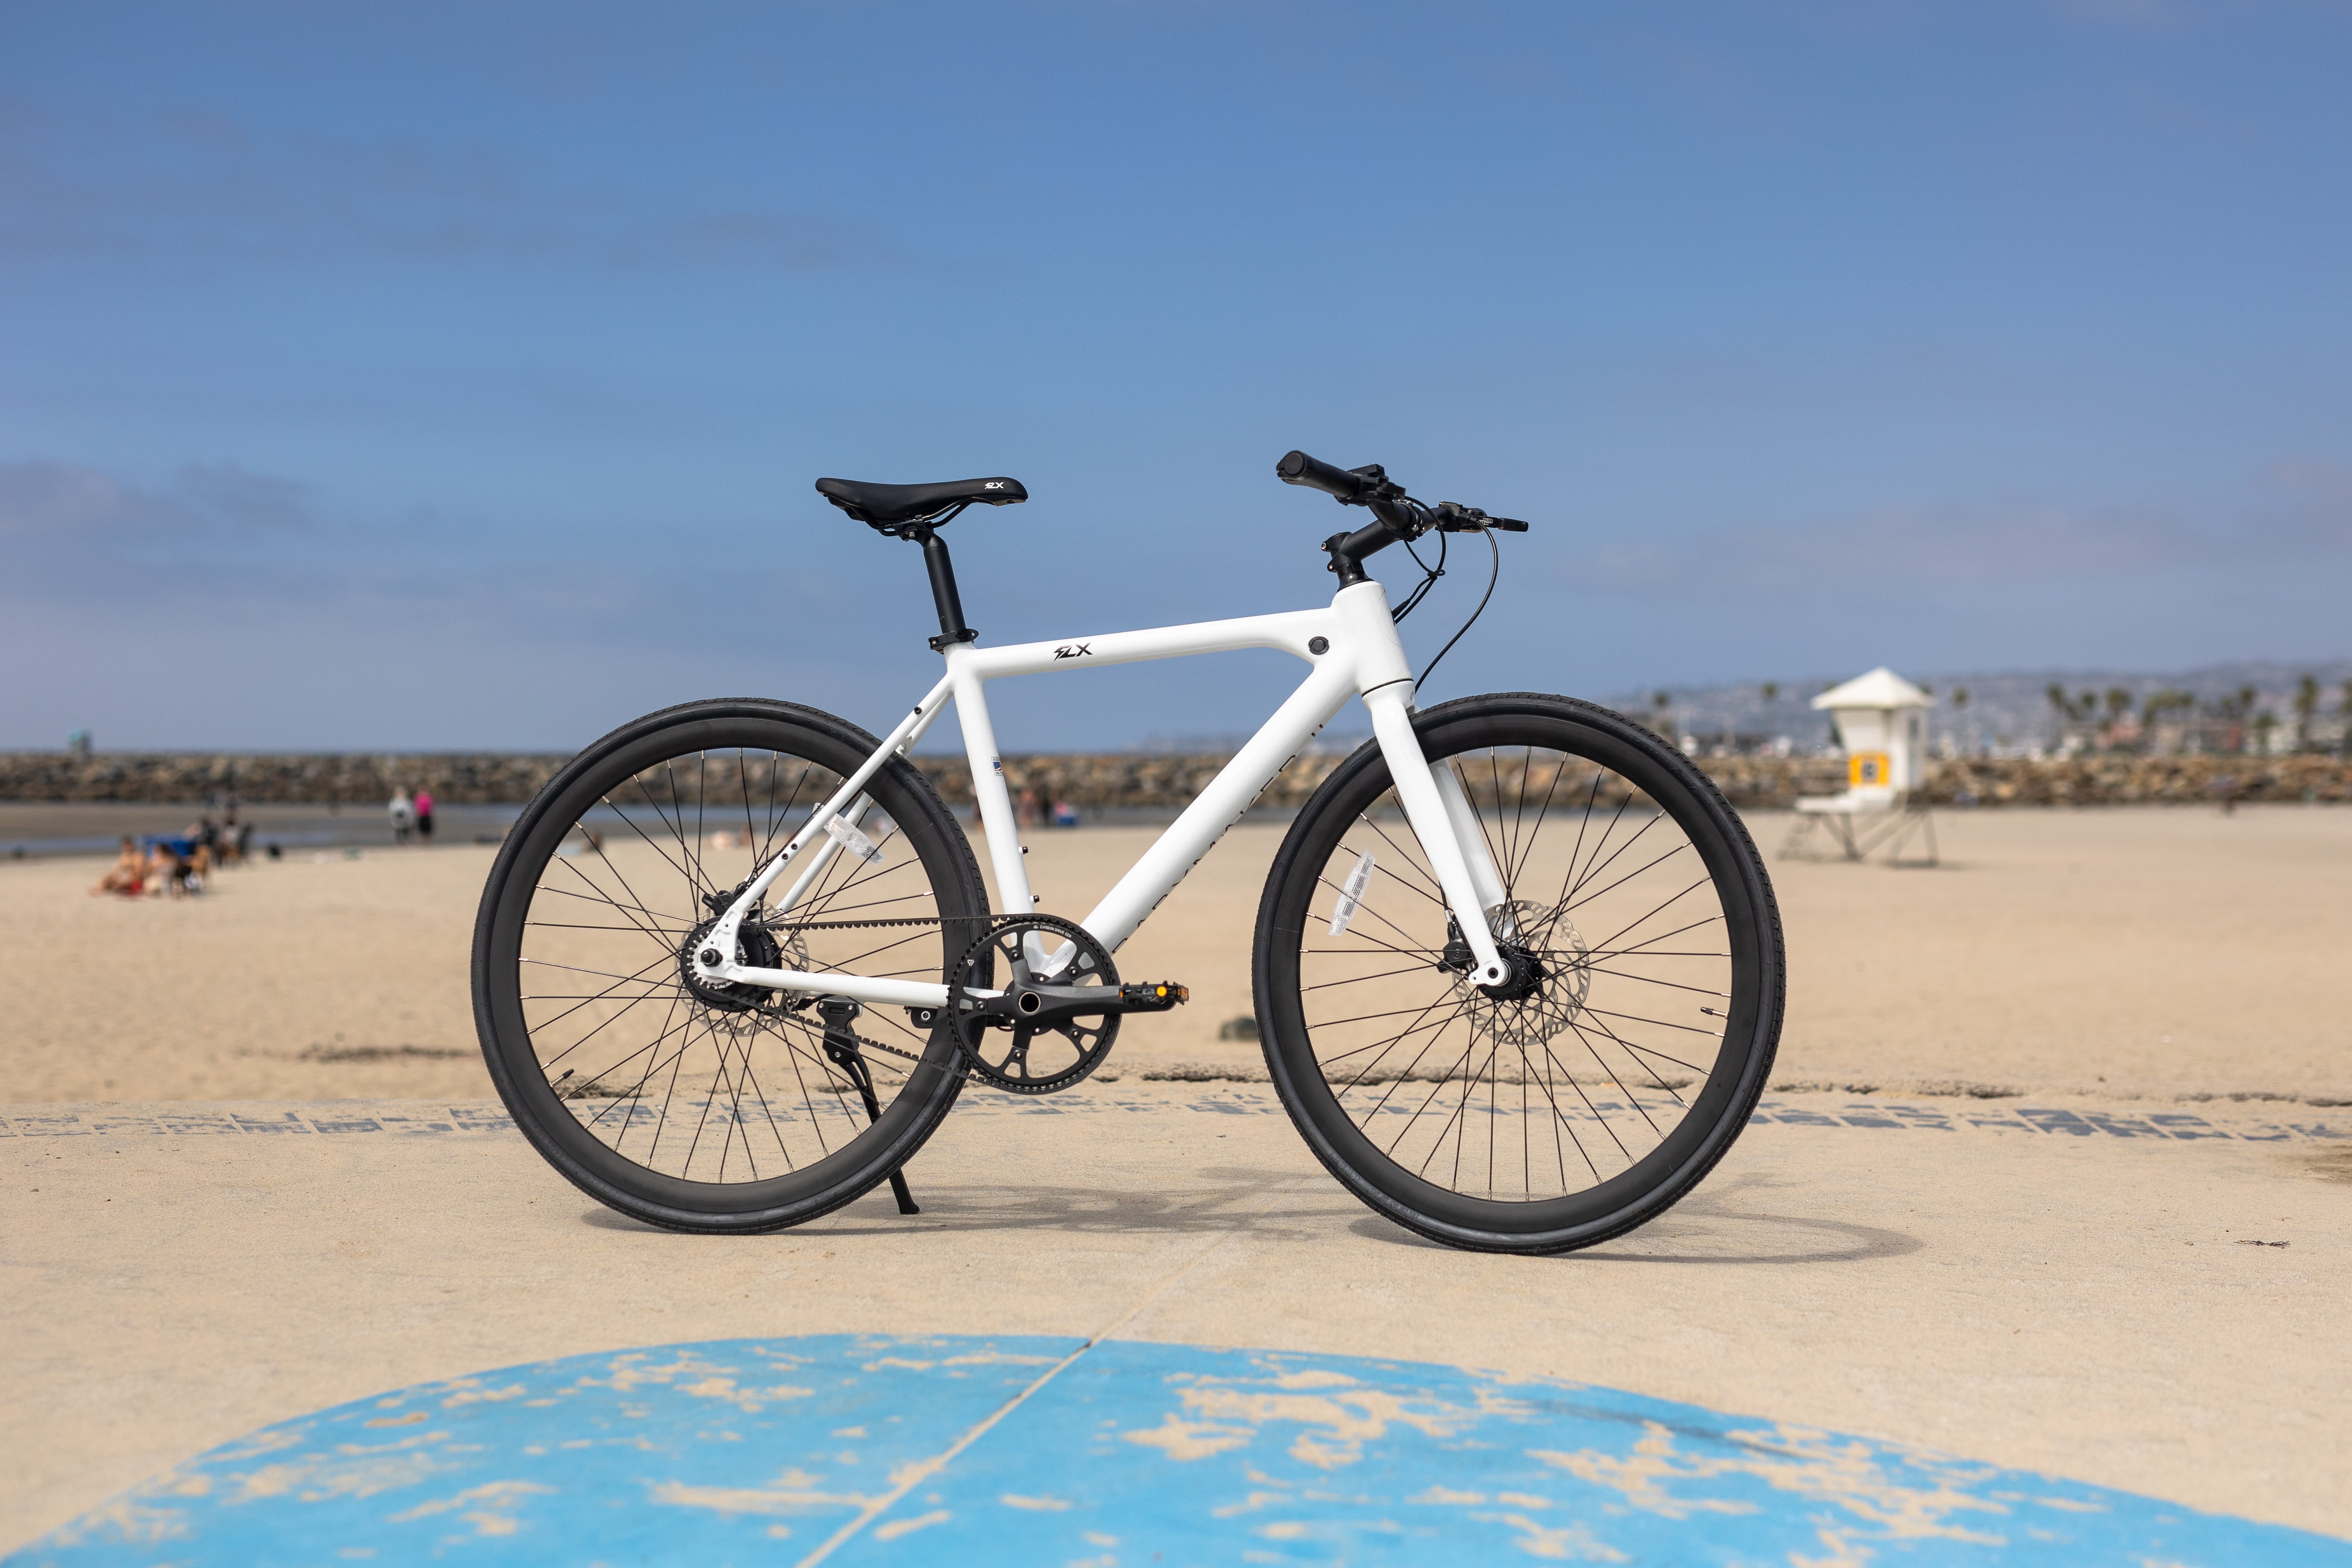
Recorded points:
1351,893
856,843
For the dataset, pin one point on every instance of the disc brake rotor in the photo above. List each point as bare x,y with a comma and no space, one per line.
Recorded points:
1560,956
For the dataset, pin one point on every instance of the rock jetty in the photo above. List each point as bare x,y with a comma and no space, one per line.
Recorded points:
1132,779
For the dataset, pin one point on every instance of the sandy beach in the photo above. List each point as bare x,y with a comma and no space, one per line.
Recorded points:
1917,1240
2120,955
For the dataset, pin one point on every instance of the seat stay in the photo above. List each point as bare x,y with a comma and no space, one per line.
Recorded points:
853,814
726,931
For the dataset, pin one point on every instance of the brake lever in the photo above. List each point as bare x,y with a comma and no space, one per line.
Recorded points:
1453,517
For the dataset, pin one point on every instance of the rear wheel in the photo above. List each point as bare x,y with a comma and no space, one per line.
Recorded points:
718,1108
1630,1050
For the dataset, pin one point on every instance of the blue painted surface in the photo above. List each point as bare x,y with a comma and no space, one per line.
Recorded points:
758,1451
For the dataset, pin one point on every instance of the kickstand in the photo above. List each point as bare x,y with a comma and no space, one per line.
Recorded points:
841,1049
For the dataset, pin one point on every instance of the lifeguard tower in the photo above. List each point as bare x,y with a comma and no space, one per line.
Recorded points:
1882,722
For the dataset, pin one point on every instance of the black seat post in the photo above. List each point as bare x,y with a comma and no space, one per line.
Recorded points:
943,591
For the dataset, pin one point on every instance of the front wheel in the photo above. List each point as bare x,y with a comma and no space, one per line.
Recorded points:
1639,1028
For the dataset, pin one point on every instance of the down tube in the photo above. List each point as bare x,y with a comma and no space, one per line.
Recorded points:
1194,833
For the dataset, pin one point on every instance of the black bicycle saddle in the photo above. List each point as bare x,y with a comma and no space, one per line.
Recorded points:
889,505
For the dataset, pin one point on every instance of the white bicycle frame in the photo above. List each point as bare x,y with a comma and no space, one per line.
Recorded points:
1359,656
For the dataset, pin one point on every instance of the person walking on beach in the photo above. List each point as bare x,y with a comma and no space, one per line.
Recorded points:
424,817
404,815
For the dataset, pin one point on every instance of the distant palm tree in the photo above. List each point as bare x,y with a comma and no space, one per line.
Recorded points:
2119,703
1770,692
2160,705
2307,704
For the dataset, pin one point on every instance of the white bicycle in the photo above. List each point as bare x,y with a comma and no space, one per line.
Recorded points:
1518,966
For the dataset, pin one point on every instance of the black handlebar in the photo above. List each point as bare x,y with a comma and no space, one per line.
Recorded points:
1343,484
1397,517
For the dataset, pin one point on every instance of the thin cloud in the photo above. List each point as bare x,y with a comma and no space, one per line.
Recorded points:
204,502
203,185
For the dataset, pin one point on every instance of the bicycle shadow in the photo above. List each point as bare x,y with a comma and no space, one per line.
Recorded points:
1724,1223
1226,1199
1719,1225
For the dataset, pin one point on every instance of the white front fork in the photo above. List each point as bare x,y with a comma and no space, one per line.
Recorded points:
1443,820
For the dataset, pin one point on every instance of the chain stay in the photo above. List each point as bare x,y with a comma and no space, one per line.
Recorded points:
995,921
863,1042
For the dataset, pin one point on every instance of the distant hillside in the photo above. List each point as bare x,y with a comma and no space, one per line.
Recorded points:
2004,708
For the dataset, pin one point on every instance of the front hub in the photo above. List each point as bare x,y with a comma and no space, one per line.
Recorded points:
1524,973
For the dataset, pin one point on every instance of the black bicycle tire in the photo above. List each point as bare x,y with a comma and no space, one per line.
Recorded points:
1551,1225
672,1202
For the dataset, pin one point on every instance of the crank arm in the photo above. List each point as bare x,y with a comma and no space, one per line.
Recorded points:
1034,1006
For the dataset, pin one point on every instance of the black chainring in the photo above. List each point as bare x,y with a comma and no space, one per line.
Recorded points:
999,1047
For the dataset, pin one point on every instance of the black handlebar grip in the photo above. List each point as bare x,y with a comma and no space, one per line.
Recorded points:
1299,468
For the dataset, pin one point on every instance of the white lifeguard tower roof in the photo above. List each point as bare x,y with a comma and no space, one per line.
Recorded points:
1881,688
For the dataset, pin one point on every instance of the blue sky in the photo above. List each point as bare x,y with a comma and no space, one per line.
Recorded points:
455,375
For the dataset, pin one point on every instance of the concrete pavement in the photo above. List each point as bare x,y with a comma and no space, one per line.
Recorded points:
2064,1288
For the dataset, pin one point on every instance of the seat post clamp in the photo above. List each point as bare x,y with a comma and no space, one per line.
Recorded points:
945,640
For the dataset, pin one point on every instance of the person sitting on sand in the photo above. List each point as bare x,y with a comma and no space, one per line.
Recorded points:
166,870
128,875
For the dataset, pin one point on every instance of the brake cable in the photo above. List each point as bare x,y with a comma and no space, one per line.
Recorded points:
1436,521
1429,579
1492,577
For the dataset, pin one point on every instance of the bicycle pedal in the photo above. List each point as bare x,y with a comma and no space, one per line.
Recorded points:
1151,998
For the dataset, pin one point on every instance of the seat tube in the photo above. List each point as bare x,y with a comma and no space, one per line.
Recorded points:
988,788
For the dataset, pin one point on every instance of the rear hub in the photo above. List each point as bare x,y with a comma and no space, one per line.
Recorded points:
754,947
